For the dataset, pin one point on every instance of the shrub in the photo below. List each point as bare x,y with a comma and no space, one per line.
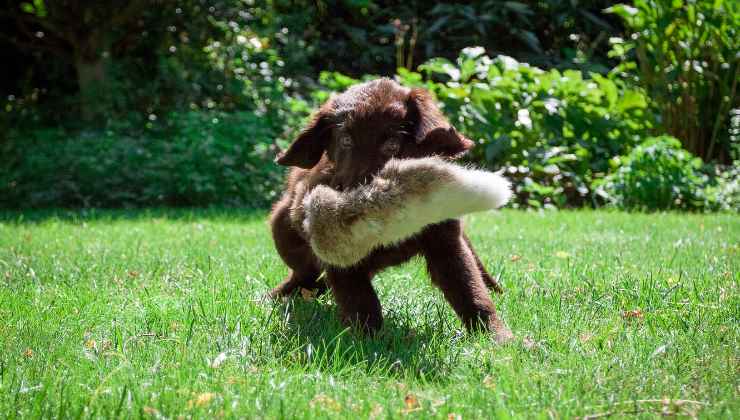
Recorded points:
722,193
559,134
554,131
658,174
192,159
684,54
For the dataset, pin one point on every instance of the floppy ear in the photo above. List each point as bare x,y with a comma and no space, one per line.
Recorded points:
432,131
308,147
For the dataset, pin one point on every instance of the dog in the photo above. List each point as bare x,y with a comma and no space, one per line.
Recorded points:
347,142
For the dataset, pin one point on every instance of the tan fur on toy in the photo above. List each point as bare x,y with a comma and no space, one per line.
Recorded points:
407,195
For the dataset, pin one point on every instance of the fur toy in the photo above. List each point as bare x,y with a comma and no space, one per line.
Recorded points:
406,195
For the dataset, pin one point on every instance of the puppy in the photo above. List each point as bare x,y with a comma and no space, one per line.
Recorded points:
346,143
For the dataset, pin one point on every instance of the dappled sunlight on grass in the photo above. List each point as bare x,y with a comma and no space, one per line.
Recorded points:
163,313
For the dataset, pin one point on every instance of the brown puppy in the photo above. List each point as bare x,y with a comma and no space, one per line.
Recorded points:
349,140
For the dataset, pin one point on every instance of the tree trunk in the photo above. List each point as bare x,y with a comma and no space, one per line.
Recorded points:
91,78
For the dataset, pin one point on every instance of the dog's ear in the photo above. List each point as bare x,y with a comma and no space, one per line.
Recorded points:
432,131
308,147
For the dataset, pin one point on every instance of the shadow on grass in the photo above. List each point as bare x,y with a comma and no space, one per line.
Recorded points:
398,350
221,214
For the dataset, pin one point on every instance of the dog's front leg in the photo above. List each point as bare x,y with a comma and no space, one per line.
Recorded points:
453,268
357,301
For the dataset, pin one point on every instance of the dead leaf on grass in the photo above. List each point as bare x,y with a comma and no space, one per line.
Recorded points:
562,254
308,294
489,382
202,399
410,403
585,337
151,411
325,402
633,315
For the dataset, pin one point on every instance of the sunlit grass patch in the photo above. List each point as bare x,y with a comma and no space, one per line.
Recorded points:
161,313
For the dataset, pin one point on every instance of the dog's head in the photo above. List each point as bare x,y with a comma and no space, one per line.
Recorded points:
362,128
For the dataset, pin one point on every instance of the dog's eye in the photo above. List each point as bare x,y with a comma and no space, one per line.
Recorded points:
345,142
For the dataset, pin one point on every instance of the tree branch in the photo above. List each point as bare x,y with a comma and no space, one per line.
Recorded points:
55,49
126,21
29,18
22,25
22,19
133,9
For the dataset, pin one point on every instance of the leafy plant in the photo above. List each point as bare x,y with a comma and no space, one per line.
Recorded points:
684,53
658,174
553,131
550,33
188,159
722,192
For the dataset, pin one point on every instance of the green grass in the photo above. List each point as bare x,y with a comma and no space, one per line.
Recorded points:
123,313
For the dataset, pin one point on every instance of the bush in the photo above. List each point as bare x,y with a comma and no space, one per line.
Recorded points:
656,175
192,159
554,131
684,54
722,193
559,134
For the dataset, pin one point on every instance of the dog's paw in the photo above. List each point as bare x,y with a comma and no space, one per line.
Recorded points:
501,333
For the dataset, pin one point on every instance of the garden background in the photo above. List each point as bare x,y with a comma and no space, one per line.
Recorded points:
186,103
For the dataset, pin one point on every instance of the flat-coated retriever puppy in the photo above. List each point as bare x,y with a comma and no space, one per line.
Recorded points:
348,140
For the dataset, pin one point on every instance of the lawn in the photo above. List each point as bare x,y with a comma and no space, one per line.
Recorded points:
160,314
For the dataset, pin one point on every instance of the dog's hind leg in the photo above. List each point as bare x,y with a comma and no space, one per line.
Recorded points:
297,255
487,278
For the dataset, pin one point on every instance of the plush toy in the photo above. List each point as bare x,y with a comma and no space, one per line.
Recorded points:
407,195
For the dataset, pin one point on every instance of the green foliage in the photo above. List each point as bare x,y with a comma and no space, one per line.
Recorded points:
687,60
559,134
550,33
658,174
181,55
384,35
163,74
722,192
127,57
554,131
193,159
